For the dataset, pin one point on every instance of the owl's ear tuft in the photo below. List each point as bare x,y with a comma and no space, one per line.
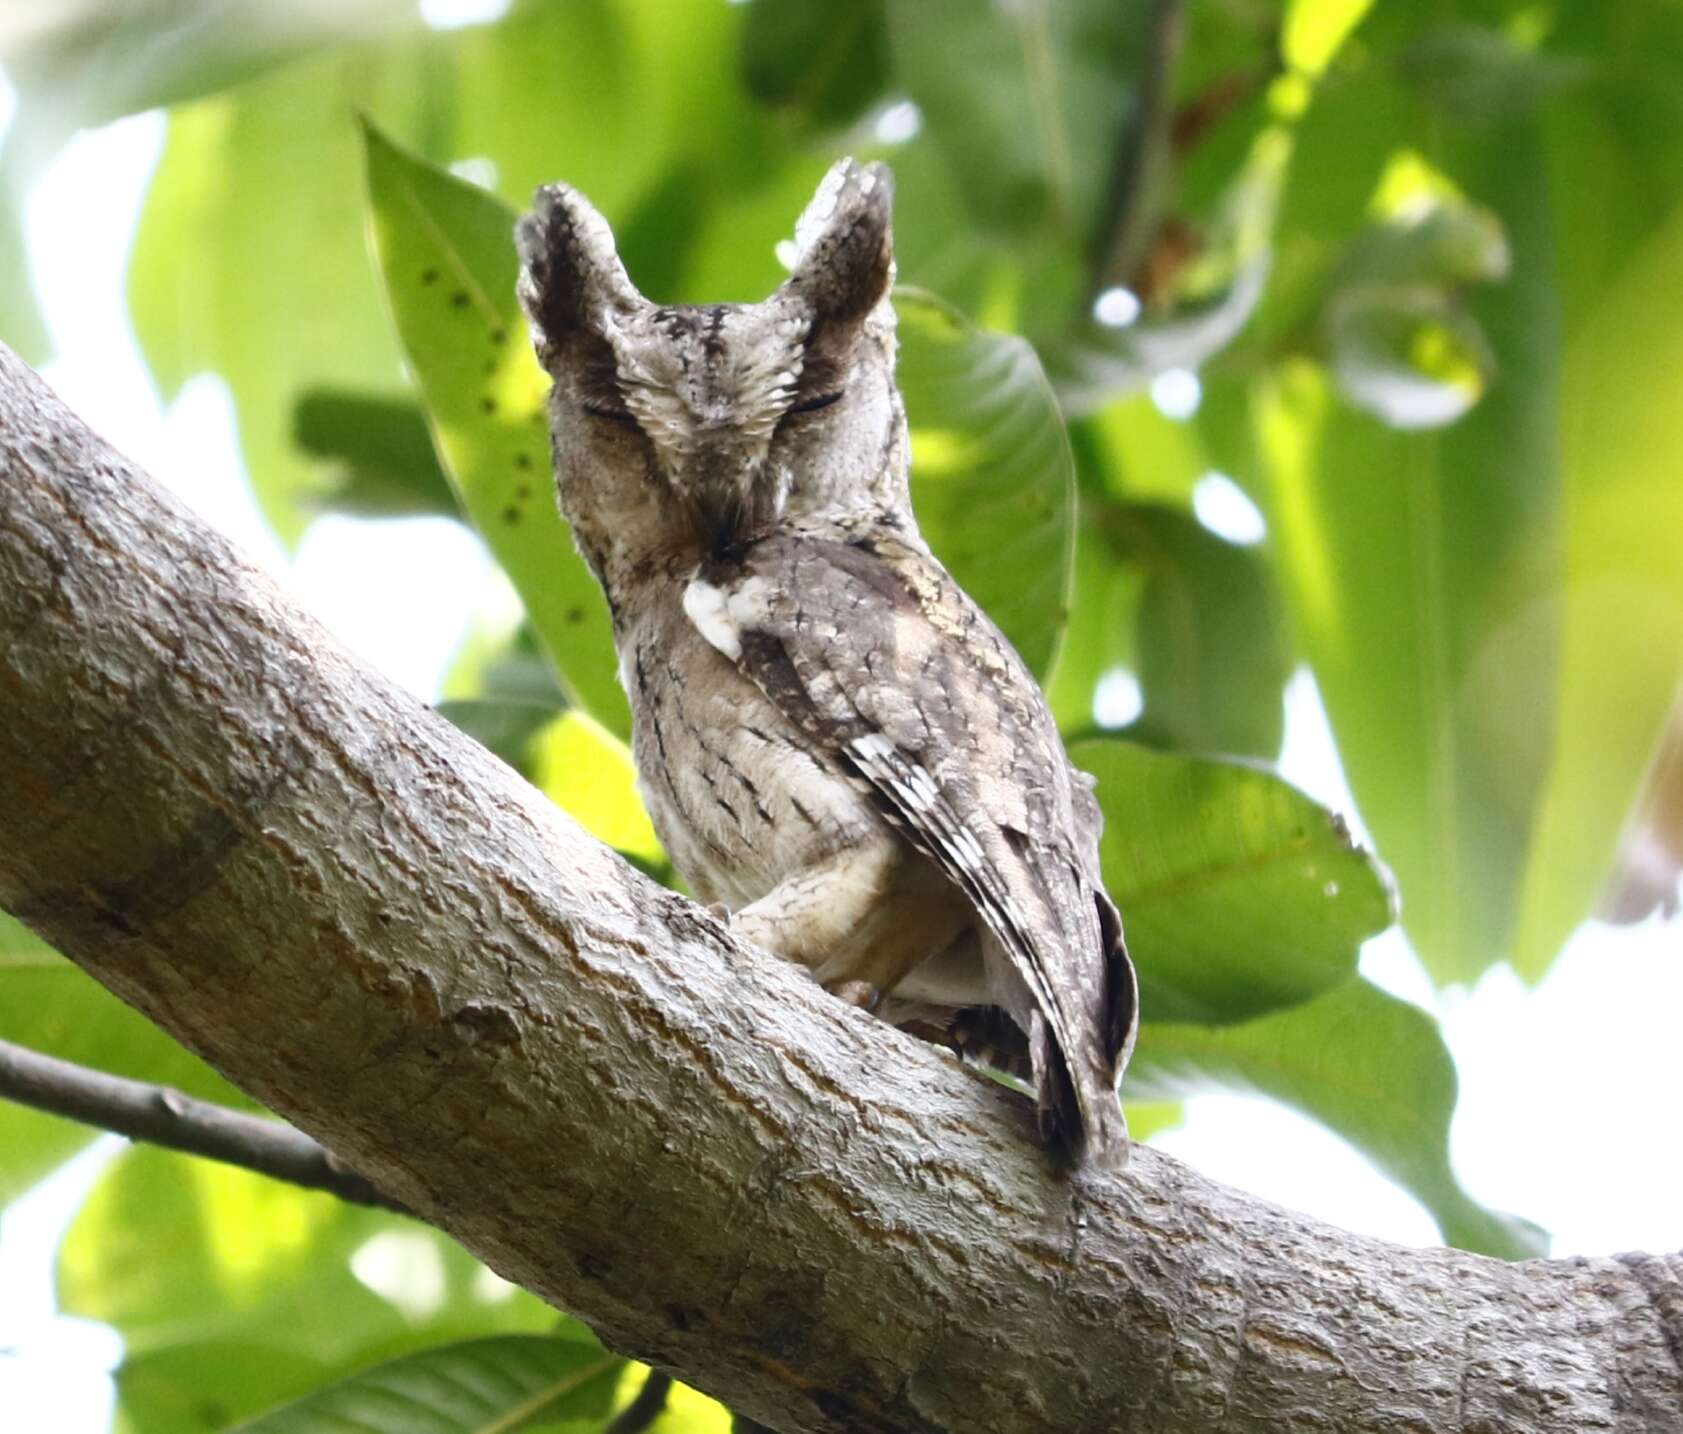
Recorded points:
571,277
844,247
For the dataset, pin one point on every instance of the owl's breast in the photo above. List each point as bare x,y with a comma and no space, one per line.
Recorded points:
736,796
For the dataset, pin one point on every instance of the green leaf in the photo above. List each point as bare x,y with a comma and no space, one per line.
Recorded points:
23,327
506,725
96,61
993,481
1622,645
383,463
1100,636
59,1010
503,666
233,1292
19,946
1025,101
486,1386
1402,343
249,259
1239,894
587,772
1419,569
446,253
822,60
1369,1067
1210,652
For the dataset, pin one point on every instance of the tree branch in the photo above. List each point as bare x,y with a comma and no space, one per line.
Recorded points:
1143,151
381,932
165,1117
647,1407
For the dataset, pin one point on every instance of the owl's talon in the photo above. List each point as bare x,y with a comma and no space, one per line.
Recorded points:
858,993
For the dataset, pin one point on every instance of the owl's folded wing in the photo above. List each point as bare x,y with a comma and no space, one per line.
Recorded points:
869,646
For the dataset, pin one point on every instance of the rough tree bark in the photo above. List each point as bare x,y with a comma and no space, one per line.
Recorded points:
381,932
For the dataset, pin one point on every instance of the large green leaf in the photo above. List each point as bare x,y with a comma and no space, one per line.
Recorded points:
821,61
1238,893
1370,1067
58,1009
378,453
1032,144
1419,567
587,772
90,63
19,946
249,258
993,481
233,1292
1617,151
93,62
23,327
1622,654
446,252
1100,635
484,1386
1210,648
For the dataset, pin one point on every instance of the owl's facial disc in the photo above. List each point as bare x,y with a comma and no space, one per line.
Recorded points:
732,402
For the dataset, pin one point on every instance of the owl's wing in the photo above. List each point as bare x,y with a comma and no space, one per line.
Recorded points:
881,659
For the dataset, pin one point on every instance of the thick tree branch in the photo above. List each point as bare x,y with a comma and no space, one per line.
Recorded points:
380,931
165,1117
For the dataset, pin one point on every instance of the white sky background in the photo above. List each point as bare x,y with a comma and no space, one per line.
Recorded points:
1565,1091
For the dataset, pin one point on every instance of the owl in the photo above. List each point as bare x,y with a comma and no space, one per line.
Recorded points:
834,742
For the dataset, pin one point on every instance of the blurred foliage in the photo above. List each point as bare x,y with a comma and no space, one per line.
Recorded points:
1418,258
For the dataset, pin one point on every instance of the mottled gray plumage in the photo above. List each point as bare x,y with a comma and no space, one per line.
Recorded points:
832,739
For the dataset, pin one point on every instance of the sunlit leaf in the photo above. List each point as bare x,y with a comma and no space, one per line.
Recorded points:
23,327
1622,646
1369,1067
1092,364
446,252
1197,292
94,61
586,771
249,259
487,1386
1402,342
19,946
1239,894
688,1411
993,481
1419,570
233,1292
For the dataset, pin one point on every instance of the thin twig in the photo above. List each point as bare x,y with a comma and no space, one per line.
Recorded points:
1143,153
165,1117
647,1407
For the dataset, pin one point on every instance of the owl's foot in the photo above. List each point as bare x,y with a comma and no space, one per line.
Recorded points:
857,993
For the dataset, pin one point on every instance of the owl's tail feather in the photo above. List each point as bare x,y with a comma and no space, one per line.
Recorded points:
1081,1119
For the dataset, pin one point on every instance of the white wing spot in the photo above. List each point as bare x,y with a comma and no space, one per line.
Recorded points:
923,791
968,849
707,607
873,747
